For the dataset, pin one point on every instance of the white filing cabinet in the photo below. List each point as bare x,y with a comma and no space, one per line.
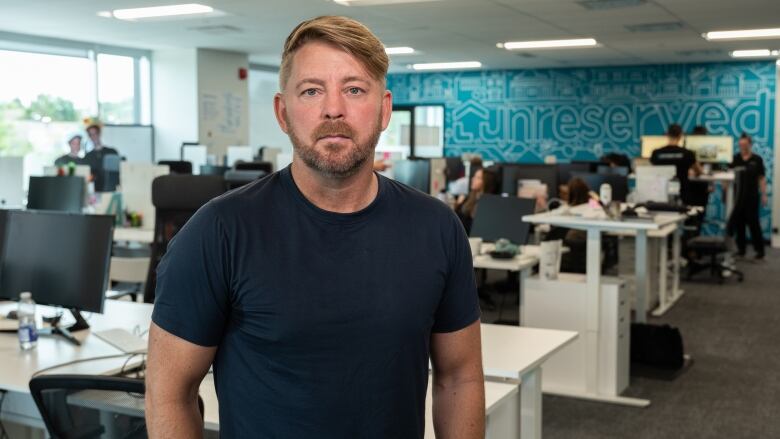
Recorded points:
561,304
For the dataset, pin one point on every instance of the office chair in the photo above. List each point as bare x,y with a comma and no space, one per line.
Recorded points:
92,406
213,170
705,252
177,166
176,198
266,167
64,194
237,178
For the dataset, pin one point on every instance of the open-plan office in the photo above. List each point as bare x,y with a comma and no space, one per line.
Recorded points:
611,163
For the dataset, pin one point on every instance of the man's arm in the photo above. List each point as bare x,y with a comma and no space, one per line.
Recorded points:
175,369
458,384
762,187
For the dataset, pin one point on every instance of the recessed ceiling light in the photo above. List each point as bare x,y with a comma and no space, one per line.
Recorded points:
447,65
739,34
757,53
548,44
398,50
105,14
161,11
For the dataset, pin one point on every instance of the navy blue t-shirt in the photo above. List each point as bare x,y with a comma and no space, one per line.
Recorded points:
322,320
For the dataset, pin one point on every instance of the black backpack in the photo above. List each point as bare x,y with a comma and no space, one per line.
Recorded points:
658,346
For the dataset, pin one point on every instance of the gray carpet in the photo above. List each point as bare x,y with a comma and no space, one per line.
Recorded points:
733,388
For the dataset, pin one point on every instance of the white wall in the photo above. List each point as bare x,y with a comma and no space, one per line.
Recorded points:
174,101
263,128
223,100
776,177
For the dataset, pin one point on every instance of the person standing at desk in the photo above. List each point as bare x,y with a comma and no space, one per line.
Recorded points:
682,159
752,191
321,313
74,144
95,157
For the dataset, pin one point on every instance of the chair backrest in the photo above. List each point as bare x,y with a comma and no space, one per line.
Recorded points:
176,198
213,170
177,166
267,167
237,178
91,406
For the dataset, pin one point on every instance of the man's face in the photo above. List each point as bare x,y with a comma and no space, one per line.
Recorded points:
75,145
745,146
94,135
332,109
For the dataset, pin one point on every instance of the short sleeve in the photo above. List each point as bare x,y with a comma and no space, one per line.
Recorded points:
459,305
193,288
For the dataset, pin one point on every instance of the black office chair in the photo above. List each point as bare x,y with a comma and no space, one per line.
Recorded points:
213,170
236,178
64,193
176,198
177,166
705,253
92,406
266,167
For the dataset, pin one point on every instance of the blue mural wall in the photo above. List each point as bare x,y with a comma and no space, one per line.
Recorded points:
583,113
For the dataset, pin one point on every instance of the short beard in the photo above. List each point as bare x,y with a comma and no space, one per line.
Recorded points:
353,162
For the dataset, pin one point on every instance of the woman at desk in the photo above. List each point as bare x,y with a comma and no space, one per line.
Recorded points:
73,156
752,181
483,181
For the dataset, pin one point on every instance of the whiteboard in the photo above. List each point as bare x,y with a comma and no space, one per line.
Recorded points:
134,142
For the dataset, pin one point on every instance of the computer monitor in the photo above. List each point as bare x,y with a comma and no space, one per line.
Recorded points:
511,173
61,258
266,167
618,183
651,143
499,217
108,176
177,166
616,170
711,149
11,182
565,170
413,173
64,194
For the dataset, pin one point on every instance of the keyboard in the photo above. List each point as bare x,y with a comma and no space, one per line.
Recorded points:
123,340
655,206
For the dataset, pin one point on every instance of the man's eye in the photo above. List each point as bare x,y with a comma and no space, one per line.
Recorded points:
354,90
310,92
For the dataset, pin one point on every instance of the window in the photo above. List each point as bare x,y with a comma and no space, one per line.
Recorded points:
413,131
58,83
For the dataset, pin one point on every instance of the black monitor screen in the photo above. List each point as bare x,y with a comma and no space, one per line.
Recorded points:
618,183
414,173
61,258
511,173
565,170
64,194
501,217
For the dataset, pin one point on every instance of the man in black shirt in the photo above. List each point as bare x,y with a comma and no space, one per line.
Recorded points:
320,292
751,182
95,157
675,155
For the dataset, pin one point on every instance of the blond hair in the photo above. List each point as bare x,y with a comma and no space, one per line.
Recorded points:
345,33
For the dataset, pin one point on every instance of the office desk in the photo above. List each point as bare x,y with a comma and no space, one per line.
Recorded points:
726,179
594,227
509,353
134,234
522,264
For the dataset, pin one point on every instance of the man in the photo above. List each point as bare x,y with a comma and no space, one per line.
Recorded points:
319,292
95,157
74,146
682,159
751,181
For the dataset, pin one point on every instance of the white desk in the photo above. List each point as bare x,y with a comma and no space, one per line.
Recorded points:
134,234
726,179
509,353
522,264
594,228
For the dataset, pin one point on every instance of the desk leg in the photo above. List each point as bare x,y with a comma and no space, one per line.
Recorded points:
641,276
523,275
531,404
593,306
663,273
675,292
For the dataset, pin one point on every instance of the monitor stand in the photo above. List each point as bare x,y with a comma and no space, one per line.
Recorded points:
67,333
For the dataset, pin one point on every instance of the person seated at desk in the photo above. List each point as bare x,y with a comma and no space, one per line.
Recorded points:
682,159
95,157
576,240
483,181
73,156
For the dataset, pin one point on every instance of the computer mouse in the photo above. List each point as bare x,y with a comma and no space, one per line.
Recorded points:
12,315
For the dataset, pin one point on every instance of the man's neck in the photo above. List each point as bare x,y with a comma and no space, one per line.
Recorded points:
340,195
747,155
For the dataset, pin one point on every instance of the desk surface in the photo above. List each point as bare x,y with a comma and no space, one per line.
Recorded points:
134,234
579,222
512,351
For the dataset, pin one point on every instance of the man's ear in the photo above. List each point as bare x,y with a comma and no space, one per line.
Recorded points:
280,110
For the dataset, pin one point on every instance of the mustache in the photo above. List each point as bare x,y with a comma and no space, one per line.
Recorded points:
336,128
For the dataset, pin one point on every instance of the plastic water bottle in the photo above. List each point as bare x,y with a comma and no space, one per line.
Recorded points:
28,334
